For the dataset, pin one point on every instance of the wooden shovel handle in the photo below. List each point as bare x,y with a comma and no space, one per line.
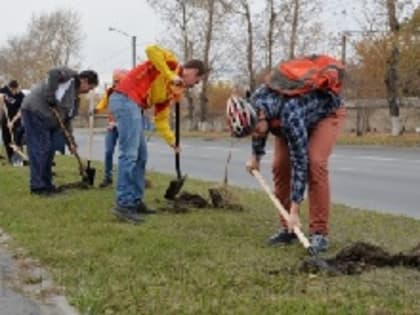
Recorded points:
69,140
302,238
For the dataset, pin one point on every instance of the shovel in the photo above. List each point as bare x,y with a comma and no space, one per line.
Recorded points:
19,158
90,170
316,260
87,176
176,184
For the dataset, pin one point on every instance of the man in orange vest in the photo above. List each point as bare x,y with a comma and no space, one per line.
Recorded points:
155,83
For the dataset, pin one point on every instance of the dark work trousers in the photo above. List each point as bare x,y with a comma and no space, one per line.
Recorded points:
39,141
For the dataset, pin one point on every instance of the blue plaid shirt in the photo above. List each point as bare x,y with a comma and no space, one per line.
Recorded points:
297,115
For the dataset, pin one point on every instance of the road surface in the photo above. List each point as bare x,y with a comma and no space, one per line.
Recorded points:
382,179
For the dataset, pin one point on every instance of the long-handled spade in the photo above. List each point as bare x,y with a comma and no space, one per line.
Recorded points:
87,176
89,169
19,157
176,184
316,260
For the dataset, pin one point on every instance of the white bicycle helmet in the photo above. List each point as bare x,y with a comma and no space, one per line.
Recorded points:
241,116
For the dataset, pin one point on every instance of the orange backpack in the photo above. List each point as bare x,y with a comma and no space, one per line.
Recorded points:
299,76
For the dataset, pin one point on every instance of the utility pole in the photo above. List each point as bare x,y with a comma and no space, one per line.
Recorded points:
343,48
133,43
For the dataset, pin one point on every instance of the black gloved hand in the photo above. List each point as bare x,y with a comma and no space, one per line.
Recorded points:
52,102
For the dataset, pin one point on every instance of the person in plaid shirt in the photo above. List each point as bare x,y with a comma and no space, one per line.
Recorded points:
305,129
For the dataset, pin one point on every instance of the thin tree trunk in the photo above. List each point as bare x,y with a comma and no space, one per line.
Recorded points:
250,46
207,46
295,24
187,56
270,35
391,76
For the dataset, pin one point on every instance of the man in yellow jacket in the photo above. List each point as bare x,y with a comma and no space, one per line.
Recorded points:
155,83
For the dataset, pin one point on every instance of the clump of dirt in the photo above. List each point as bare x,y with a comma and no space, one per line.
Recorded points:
224,198
173,206
221,198
148,183
77,185
184,202
360,257
192,200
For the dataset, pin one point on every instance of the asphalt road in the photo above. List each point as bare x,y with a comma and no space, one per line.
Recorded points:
382,179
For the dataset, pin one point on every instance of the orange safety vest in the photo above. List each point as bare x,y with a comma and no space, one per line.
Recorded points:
136,84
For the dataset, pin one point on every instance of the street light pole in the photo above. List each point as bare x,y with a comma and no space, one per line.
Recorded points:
343,48
133,43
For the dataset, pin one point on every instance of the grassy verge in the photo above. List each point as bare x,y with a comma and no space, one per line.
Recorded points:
203,262
405,140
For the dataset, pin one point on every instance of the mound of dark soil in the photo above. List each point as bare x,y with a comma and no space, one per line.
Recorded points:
360,257
224,198
76,185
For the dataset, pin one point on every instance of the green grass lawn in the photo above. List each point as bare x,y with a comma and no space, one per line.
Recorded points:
404,140
203,262
380,139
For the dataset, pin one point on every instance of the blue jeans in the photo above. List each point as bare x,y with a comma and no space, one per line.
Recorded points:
111,138
39,140
132,151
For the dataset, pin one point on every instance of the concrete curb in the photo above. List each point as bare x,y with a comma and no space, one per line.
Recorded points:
28,281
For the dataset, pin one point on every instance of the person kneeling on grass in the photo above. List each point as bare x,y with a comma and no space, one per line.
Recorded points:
59,91
305,127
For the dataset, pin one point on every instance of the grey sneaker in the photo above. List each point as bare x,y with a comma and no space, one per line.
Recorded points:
319,242
282,237
127,214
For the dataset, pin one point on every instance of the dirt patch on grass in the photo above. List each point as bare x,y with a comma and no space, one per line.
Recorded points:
220,198
223,197
184,202
360,257
77,185
192,200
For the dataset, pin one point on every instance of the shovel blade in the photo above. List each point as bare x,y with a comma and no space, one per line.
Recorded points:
175,187
90,173
318,264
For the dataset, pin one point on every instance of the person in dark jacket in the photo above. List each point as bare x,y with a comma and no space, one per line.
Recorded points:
61,91
12,130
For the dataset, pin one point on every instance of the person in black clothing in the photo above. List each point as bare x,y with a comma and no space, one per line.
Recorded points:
11,125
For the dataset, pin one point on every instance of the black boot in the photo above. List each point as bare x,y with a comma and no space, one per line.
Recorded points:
143,209
127,214
105,183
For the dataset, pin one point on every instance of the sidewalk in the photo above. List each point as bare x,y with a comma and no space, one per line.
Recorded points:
18,297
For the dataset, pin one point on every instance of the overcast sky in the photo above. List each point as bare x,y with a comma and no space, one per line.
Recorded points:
104,50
